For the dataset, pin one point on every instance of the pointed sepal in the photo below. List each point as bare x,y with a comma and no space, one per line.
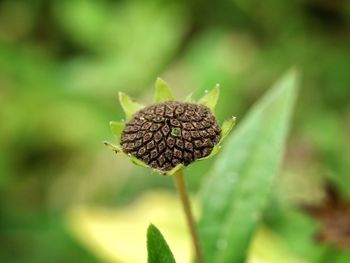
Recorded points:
117,129
113,147
129,106
118,149
226,127
211,98
189,98
213,152
137,161
162,92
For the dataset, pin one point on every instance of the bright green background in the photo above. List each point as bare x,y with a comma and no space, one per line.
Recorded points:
63,62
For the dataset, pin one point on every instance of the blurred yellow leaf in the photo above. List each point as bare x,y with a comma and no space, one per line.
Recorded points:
268,247
119,235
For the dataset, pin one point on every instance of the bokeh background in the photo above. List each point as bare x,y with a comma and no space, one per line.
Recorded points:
64,197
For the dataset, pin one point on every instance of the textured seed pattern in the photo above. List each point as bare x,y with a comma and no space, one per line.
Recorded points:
167,134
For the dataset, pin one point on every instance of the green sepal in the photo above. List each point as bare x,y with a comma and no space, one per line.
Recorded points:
162,92
211,98
113,147
189,98
226,127
117,129
118,149
129,106
168,173
213,152
174,170
137,161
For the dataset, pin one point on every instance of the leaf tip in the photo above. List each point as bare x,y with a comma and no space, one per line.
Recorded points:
293,73
150,227
157,247
294,70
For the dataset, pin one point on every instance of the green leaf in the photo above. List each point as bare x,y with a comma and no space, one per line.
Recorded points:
211,98
129,106
158,249
235,195
162,92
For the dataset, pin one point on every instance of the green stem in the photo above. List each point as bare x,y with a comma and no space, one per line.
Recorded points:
183,194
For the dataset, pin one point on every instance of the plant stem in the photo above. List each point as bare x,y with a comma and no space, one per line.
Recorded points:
181,188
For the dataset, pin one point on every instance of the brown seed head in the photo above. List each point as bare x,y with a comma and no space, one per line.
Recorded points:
166,134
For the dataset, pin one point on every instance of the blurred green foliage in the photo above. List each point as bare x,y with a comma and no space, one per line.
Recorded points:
63,62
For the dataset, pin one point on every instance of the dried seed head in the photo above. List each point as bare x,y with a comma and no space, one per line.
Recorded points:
166,134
